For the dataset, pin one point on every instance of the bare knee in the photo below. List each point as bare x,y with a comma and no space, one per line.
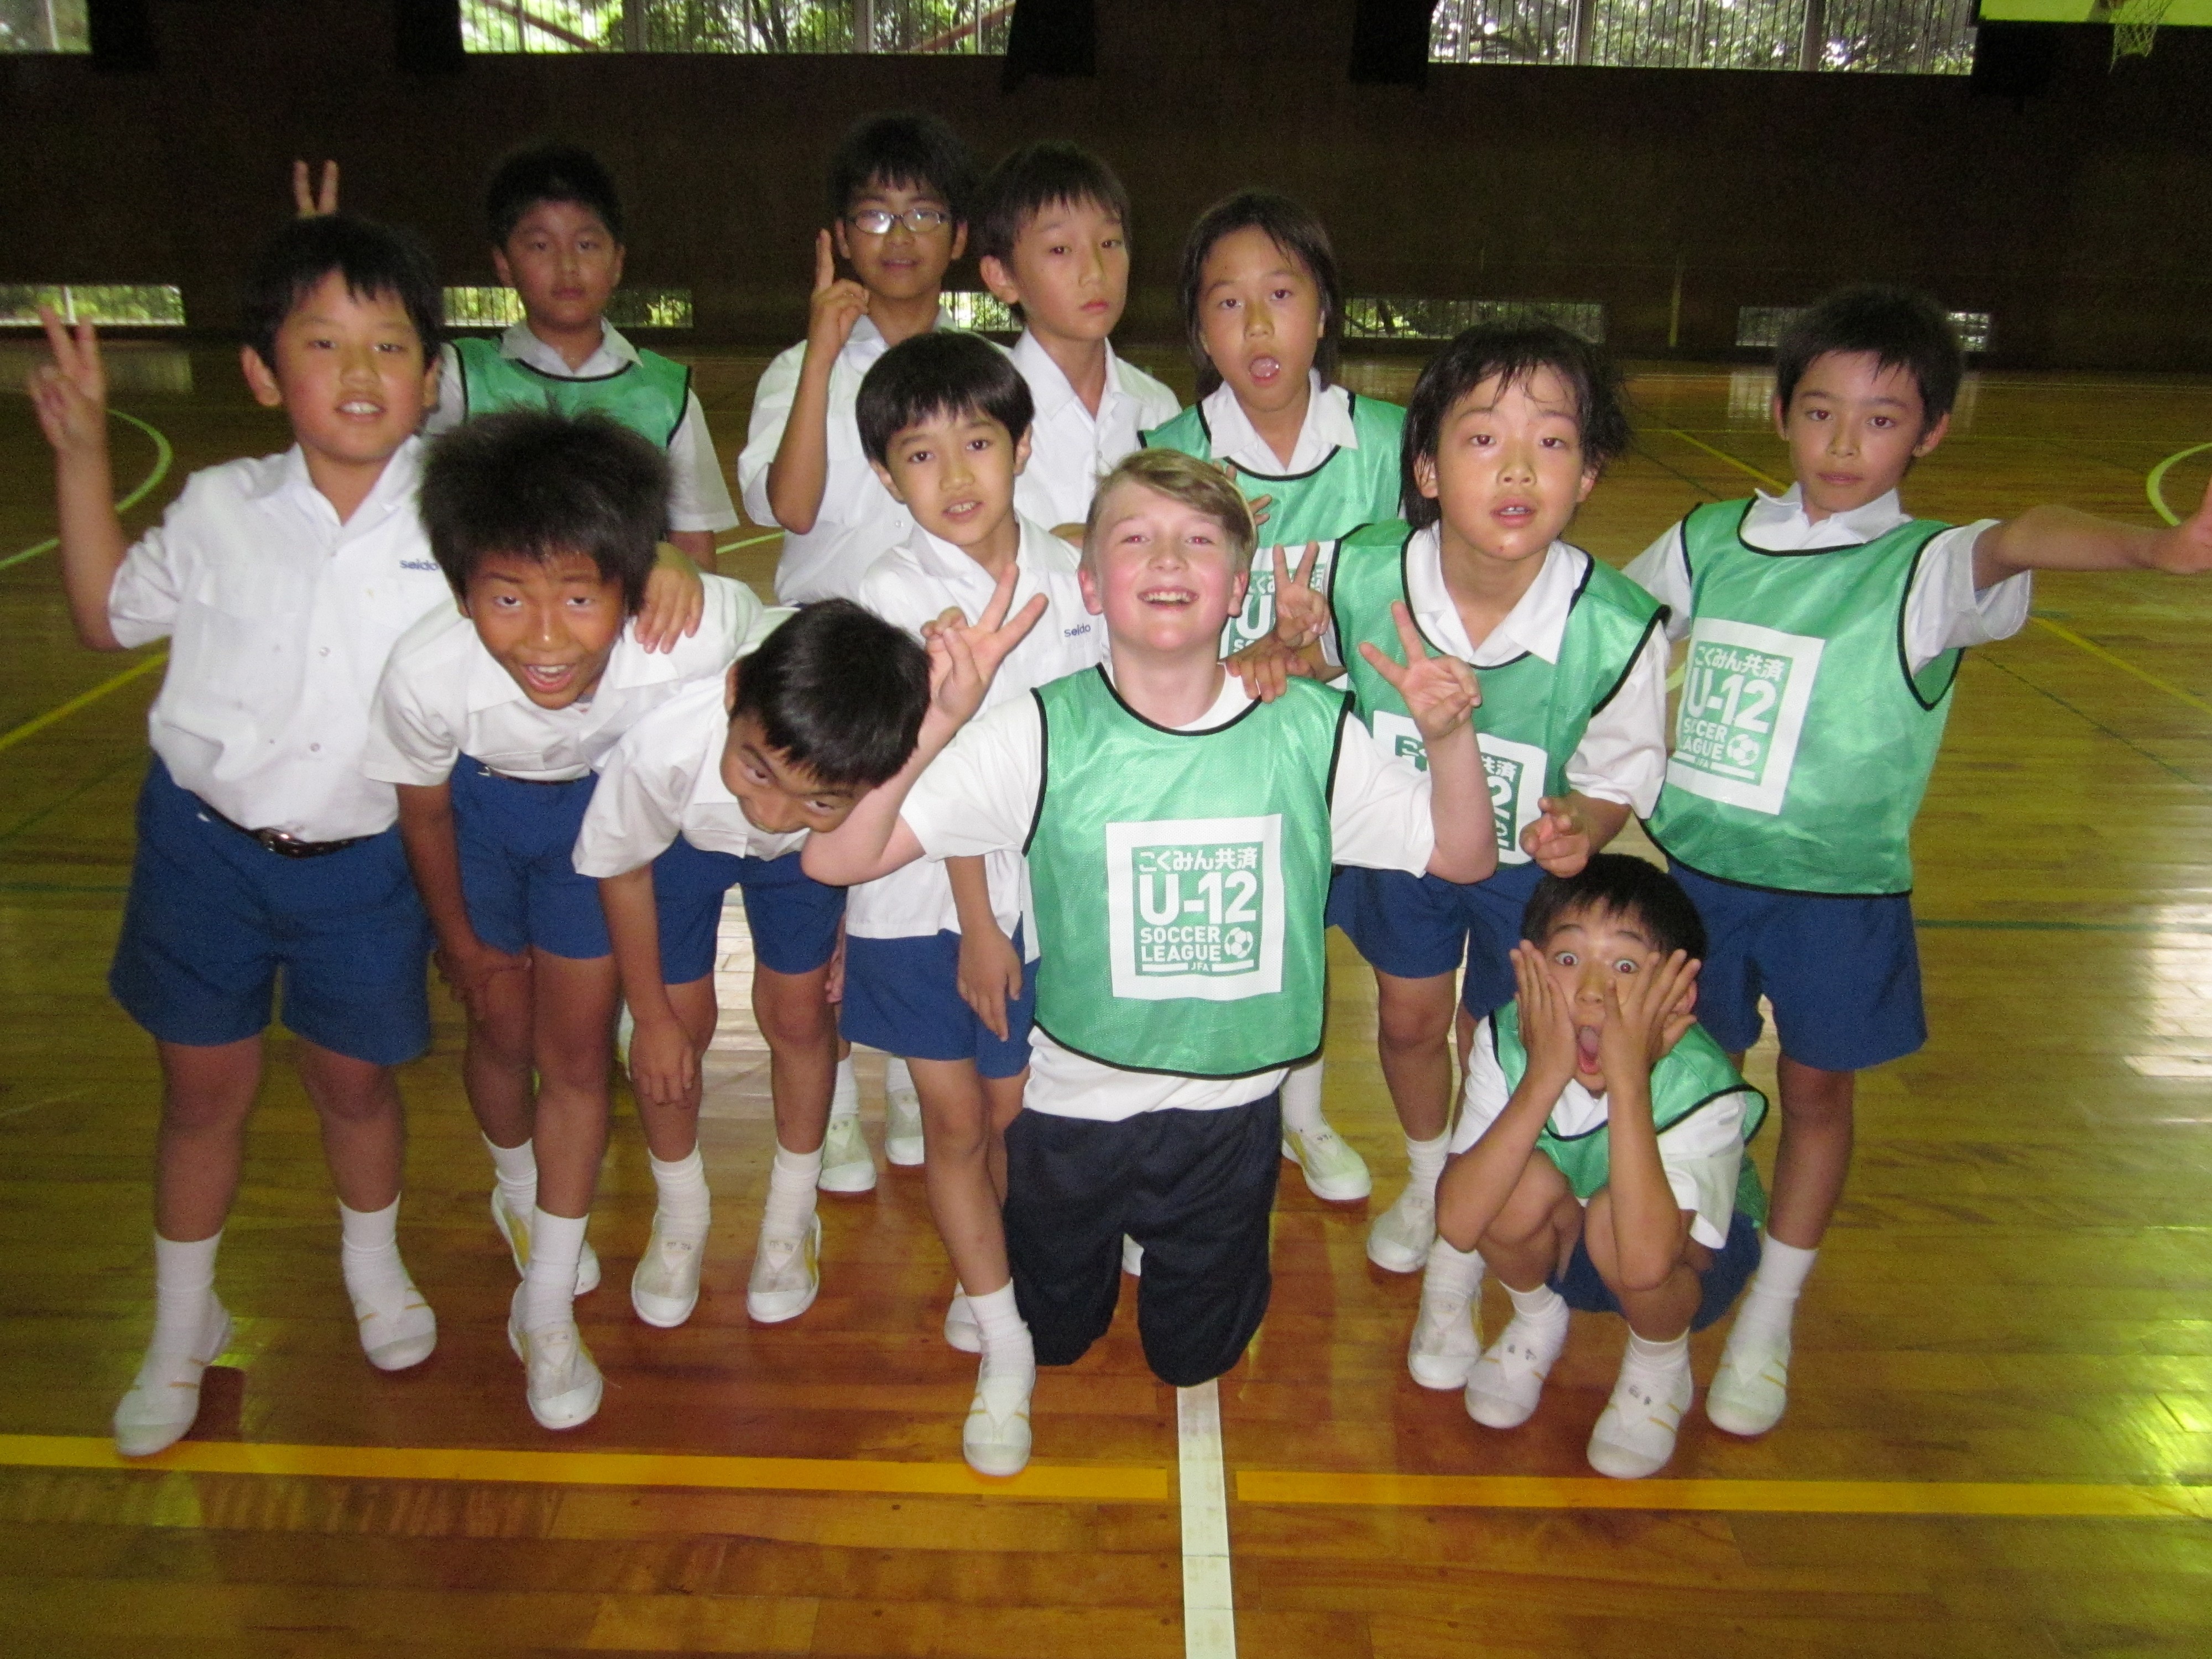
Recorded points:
1815,1099
793,1011
1412,1013
346,1090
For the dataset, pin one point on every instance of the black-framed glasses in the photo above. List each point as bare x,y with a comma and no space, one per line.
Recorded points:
878,221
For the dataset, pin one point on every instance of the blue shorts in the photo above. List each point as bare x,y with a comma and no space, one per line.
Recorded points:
213,916
1841,972
515,839
794,918
1418,926
1733,1265
902,996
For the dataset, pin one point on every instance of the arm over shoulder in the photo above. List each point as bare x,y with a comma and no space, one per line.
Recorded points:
981,794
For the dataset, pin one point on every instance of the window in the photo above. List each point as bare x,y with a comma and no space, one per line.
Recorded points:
734,26
1890,37
43,26
112,304
631,307
1762,325
1400,317
981,313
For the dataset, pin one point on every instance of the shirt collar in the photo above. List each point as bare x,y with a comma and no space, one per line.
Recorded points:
1777,524
612,354
1535,625
866,343
1037,550
1229,702
395,486
630,665
1327,426
1049,383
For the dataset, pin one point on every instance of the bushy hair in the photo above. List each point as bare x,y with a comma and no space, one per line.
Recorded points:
908,147
539,485
1901,327
1510,352
1195,484
551,172
838,691
1630,889
943,372
1053,173
1293,229
375,260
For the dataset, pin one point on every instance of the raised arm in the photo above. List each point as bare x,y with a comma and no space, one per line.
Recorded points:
1645,1014
70,396
1442,695
1480,1180
2061,538
800,470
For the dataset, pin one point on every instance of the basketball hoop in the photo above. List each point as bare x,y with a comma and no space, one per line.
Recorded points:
2135,24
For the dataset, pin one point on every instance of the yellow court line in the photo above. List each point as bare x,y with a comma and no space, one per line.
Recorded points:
1124,1485
1948,1497
2154,481
163,455
1766,479
38,723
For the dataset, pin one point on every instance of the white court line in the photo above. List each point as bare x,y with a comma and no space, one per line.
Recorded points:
1209,1609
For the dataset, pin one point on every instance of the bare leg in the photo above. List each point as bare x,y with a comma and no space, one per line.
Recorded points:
961,1119
672,1129
800,1025
496,1065
1413,1022
1658,1313
572,1048
1815,1154
206,1096
364,1131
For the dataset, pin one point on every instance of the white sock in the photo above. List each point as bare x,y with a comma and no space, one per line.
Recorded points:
1772,1301
370,1255
1658,1358
184,1284
1453,1272
685,1205
790,1193
1541,1306
1006,1345
845,1097
516,1169
897,1078
1427,1158
1302,1100
548,1289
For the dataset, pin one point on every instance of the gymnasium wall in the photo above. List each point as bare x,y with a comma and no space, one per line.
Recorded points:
2077,217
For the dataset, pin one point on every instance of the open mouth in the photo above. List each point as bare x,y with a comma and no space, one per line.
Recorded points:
1265,371
1586,1040
961,512
1172,599
1514,514
548,680
360,409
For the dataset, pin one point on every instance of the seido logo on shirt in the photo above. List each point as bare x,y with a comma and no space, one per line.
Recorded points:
1076,632
418,564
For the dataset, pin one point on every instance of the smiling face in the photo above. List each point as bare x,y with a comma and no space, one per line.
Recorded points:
1509,469
955,472
776,793
563,263
1587,949
1854,430
1068,270
552,623
1162,572
1261,318
350,372
902,262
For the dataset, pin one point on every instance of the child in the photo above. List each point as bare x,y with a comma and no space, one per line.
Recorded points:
720,787
1507,434
1052,240
934,966
1825,628
489,720
1600,1164
280,583
1180,838
898,209
1265,315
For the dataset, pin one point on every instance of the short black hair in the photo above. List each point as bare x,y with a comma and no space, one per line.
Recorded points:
538,484
1630,887
839,691
1053,173
551,172
1903,329
1510,352
943,372
1292,228
374,259
907,148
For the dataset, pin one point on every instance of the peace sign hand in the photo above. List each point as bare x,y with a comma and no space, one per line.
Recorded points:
963,656
1301,613
1440,693
310,204
71,392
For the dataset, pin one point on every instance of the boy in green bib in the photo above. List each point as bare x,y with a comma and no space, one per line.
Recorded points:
1180,835
1599,1163
1825,629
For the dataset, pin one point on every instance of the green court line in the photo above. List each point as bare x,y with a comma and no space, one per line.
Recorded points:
2154,481
163,455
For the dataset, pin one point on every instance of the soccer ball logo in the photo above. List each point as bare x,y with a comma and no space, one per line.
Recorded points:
1237,943
1743,749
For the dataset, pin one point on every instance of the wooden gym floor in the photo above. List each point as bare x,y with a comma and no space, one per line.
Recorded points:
2000,1435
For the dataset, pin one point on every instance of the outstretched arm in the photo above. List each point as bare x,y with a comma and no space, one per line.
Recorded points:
70,396
1442,695
2061,538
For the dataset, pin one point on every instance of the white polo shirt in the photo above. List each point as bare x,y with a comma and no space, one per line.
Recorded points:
858,517
1328,427
280,619
981,795
698,499
664,779
916,582
1071,448
444,695
1943,612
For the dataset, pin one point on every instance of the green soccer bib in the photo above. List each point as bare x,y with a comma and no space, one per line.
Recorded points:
1692,1075
1533,712
648,396
1180,879
1802,746
1349,487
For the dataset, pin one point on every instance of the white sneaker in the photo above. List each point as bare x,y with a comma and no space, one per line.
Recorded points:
1446,1344
903,1142
1399,1241
1334,1170
164,1399
846,1166
563,1384
786,1274
400,1335
1635,1433
996,1437
665,1286
1507,1381
1133,1257
515,1229
1752,1388
961,1329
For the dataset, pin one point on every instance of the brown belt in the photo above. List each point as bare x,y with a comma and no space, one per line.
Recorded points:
284,846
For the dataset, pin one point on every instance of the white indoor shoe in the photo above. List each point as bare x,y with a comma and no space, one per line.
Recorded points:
996,1438
1446,1344
1333,1167
664,1289
1399,1241
847,1166
961,1329
1133,1257
903,1142
563,1384
165,1398
1507,1381
515,1229
1752,1388
400,1335
1635,1434
786,1274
